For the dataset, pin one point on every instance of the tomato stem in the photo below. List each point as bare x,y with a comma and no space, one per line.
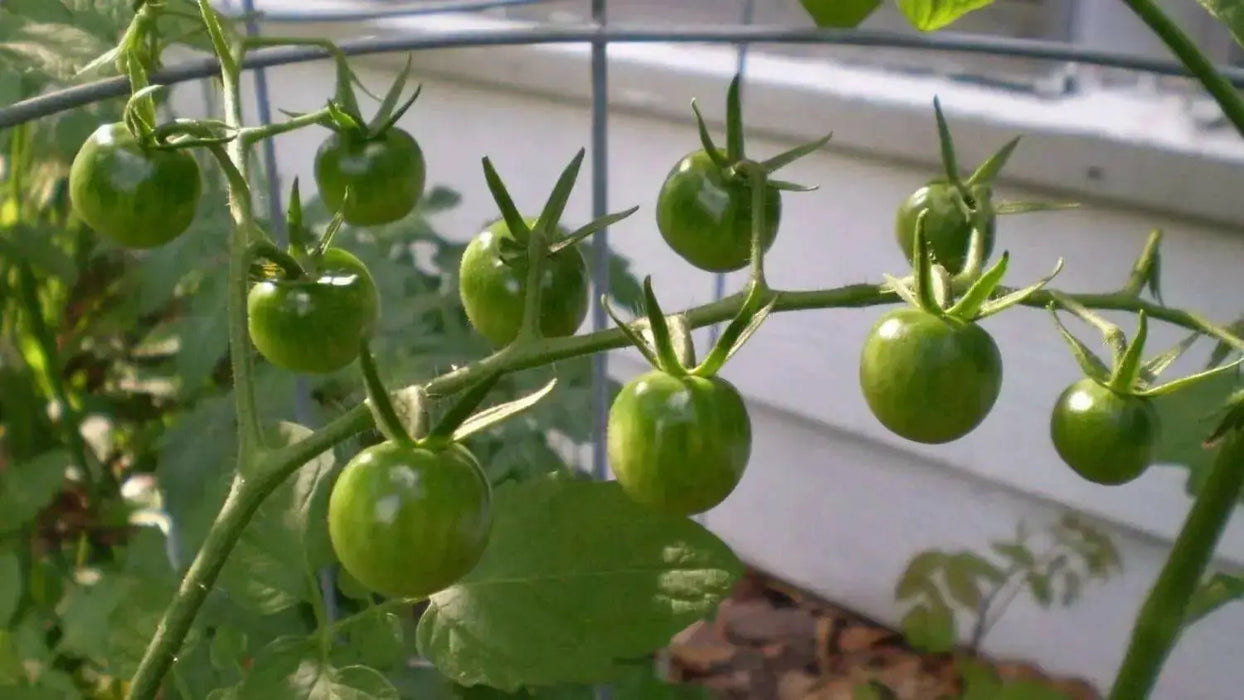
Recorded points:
267,250
1162,617
254,134
759,182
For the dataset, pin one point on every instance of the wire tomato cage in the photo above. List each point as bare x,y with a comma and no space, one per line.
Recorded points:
597,32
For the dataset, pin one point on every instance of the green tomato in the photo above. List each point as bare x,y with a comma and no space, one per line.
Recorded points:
137,197
315,325
493,292
927,378
678,444
408,521
386,175
1105,436
706,217
949,232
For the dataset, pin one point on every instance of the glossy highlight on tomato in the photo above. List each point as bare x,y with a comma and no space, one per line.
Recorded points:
927,378
678,444
493,292
1105,436
408,521
314,325
137,197
706,217
948,230
386,175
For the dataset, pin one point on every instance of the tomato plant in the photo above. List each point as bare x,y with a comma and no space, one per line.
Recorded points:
704,207
136,194
417,514
408,521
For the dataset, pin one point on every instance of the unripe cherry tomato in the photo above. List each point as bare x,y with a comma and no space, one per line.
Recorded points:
678,444
948,230
385,174
706,217
137,197
1105,436
314,325
408,521
927,378
493,292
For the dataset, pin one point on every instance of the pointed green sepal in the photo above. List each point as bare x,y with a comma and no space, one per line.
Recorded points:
667,355
785,186
900,287
734,121
680,338
924,279
1092,365
974,298
1009,208
1019,296
950,162
488,418
706,139
1127,370
461,410
551,215
411,406
988,171
343,120
378,399
299,237
744,324
785,158
391,98
591,228
636,339
1184,382
1149,371
509,213
338,220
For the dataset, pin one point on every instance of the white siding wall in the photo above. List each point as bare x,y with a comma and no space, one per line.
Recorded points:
832,501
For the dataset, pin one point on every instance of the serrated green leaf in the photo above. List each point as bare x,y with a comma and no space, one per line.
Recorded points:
292,668
10,586
272,564
932,15
26,487
1229,13
618,585
85,614
930,628
980,567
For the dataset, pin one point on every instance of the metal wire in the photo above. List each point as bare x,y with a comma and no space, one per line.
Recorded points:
69,98
600,244
406,10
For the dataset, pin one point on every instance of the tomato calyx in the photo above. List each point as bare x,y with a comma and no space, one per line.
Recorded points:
545,232
973,196
1128,373
665,341
344,115
732,163
403,417
931,289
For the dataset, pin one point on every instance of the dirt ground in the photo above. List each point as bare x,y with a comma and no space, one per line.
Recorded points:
770,641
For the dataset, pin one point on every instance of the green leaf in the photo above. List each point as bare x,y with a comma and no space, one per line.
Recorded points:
961,584
1187,419
1230,13
930,628
26,487
919,574
1040,587
11,670
1219,590
85,613
1020,555
292,668
617,585
10,586
271,566
839,13
377,638
134,620
931,15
